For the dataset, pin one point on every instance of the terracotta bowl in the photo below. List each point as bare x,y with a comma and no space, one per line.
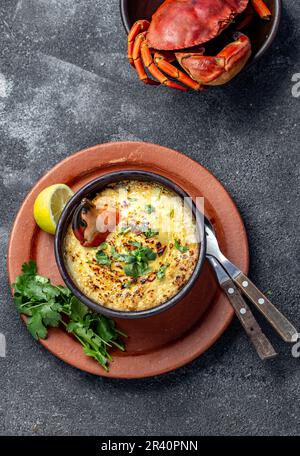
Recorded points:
261,33
89,191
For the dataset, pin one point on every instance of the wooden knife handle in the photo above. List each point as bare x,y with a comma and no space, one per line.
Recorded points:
262,345
279,322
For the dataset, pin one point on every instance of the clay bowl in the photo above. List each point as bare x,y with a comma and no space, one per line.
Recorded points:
89,191
261,33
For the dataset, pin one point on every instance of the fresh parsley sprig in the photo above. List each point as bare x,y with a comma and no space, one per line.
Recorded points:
47,305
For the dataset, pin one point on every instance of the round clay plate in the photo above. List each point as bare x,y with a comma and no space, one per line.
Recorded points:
173,338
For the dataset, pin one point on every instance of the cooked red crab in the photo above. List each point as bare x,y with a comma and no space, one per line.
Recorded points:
91,225
178,31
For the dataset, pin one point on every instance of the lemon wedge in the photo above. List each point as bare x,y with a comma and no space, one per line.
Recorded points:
49,204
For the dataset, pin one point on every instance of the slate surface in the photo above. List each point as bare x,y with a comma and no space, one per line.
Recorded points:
65,85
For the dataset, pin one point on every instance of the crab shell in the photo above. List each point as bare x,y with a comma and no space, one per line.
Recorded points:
85,223
181,24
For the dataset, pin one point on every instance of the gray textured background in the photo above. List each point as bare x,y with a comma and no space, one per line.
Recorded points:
65,84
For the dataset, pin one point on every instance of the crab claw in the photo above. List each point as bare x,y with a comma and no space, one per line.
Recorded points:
220,69
92,225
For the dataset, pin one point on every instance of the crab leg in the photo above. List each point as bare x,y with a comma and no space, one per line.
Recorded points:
235,51
220,69
163,62
137,61
138,27
261,9
150,65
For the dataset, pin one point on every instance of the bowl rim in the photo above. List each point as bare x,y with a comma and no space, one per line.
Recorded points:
91,188
259,53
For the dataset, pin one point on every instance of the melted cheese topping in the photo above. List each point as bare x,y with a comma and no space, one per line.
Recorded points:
150,216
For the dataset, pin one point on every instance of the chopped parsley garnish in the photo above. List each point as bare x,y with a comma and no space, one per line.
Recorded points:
149,233
162,271
102,258
149,208
137,261
125,229
181,248
48,305
103,246
135,244
135,270
132,199
172,212
115,255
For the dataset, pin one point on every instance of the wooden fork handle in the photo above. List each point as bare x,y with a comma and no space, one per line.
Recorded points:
279,322
262,345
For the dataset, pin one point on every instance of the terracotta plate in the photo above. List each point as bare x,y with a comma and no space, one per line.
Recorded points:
166,341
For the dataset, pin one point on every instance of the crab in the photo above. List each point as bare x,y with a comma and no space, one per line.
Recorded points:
177,33
91,225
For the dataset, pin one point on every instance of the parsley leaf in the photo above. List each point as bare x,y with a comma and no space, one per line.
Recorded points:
135,244
126,258
50,313
103,246
162,271
77,309
29,268
114,253
149,233
36,326
106,329
102,258
149,208
133,270
181,248
137,261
